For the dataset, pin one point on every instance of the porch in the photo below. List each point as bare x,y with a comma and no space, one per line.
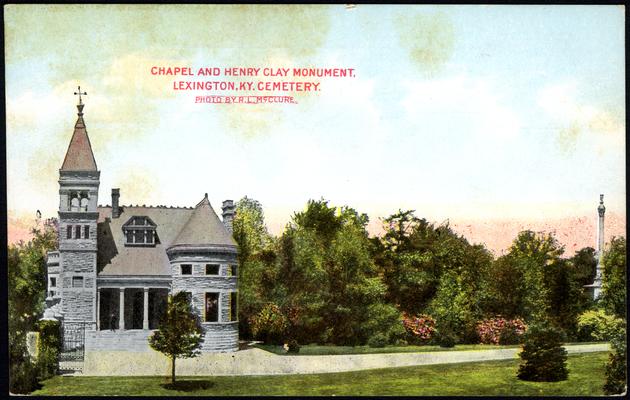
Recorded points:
124,303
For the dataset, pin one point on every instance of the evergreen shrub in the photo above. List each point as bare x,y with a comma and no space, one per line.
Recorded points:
543,357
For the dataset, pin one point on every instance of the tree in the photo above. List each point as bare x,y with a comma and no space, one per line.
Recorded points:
329,287
567,296
180,333
26,275
506,292
614,277
526,275
585,264
256,256
430,268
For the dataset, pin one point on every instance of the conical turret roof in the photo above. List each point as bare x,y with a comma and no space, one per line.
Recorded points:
204,228
79,156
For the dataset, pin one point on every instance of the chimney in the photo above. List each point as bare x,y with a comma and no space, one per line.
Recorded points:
229,210
115,207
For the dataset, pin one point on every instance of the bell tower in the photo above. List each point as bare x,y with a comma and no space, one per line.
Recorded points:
78,215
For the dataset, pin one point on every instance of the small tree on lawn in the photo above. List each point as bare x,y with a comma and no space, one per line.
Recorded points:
543,357
180,333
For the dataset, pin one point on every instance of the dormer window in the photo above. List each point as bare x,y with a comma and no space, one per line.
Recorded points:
140,231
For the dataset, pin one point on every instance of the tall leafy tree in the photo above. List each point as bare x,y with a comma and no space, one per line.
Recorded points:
614,277
256,257
567,296
585,264
26,274
430,268
330,288
179,334
506,291
532,253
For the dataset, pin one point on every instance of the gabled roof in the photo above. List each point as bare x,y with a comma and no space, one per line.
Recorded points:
79,156
204,228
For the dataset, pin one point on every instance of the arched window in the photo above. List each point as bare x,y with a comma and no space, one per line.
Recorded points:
84,204
74,203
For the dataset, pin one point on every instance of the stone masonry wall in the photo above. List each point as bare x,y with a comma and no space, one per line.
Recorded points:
78,305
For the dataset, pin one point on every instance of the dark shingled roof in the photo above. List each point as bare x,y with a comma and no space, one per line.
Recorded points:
204,228
79,156
174,226
114,258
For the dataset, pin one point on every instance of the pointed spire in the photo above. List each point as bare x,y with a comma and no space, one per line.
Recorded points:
204,228
79,156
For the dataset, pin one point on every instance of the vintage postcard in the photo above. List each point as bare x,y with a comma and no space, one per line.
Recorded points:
342,199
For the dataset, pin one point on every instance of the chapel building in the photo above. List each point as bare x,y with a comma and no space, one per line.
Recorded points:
116,265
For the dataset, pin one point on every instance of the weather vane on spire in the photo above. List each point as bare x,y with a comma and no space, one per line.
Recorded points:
79,93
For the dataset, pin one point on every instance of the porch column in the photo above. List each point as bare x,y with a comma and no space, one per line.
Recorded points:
98,309
145,320
121,313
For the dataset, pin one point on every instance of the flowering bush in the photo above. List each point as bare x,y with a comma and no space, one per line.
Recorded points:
420,327
500,330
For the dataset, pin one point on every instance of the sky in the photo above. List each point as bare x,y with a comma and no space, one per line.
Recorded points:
494,118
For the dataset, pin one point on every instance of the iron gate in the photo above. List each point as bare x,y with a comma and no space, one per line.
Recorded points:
72,346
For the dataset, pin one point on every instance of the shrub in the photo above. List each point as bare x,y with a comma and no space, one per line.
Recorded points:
378,340
420,328
23,377
270,324
501,331
598,325
616,366
381,318
510,335
294,347
49,347
543,357
447,339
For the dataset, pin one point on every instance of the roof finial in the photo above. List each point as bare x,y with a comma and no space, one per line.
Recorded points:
80,105
205,196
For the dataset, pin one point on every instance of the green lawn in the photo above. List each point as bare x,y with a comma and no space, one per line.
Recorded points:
320,350
493,378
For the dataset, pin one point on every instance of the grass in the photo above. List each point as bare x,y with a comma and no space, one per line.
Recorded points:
319,350
492,378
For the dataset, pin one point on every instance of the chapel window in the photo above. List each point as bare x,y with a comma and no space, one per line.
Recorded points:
212,307
77,281
233,270
69,232
233,306
86,231
186,269
77,232
53,282
212,269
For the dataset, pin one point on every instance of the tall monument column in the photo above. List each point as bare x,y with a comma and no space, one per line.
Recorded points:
595,288
597,283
